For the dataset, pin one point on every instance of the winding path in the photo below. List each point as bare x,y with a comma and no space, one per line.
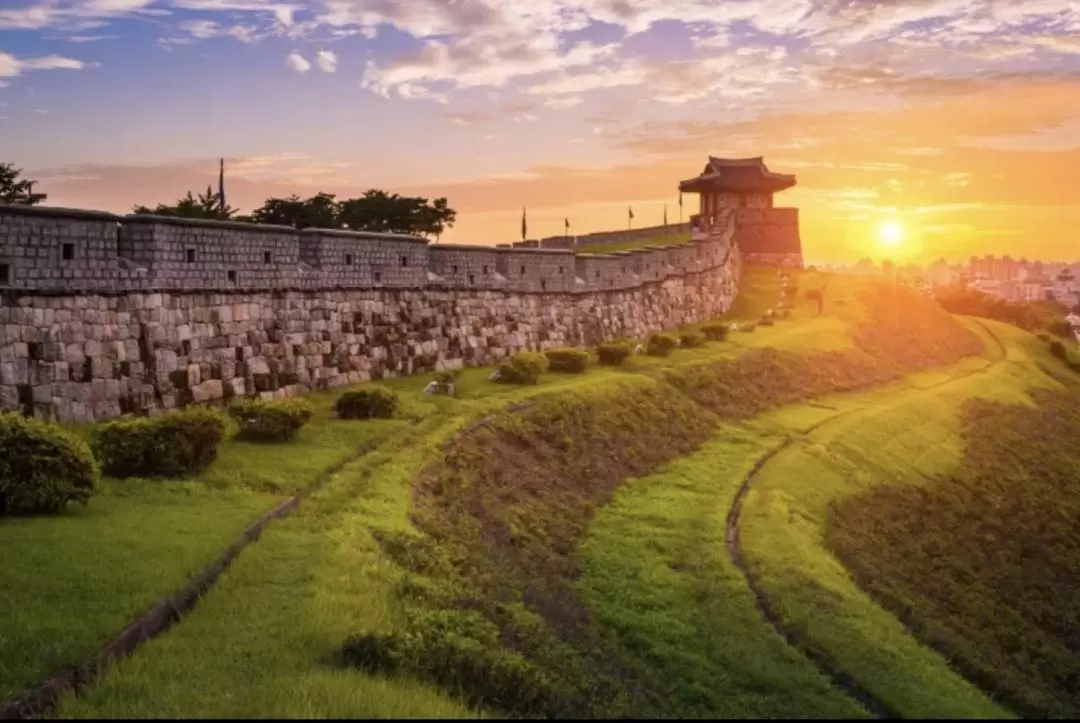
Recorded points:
164,614
839,677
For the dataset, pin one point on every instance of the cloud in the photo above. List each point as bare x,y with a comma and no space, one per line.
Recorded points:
327,61
296,62
11,67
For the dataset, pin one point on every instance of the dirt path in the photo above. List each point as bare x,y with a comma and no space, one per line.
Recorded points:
164,614
766,607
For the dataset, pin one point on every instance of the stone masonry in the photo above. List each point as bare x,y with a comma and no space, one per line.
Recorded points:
102,315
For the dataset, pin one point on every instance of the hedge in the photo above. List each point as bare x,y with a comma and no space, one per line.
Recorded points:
614,353
175,444
371,403
525,367
270,420
573,361
661,345
42,466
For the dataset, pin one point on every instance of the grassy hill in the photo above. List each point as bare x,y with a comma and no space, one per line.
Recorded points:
709,534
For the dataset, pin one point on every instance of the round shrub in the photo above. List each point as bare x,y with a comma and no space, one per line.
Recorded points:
765,321
270,420
175,444
573,361
715,331
42,466
692,340
525,367
614,353
370,403
661,345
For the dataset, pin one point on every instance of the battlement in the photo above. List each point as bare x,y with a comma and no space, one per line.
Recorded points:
73,251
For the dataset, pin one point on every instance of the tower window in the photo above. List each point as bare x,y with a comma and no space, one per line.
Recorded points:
348,259
404,260
266,257
232,277
522,270
190,256
485,268
5,273
471,280
455,268
68,252
378,277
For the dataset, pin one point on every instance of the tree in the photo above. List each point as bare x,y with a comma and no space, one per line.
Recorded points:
384,212
321,211
16,192
206,206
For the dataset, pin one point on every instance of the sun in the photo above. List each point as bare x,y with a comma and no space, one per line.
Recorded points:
891,233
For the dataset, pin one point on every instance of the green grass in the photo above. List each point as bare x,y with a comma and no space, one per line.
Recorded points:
893,438
680,610
660,239
267,639
983,562
70,582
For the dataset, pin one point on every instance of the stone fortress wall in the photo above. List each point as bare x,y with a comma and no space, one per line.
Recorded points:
769,236
102,315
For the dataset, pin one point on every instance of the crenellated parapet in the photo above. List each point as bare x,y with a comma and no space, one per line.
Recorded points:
102,315
56,250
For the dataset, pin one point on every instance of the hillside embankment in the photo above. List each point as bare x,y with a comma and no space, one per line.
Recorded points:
494,569
560,550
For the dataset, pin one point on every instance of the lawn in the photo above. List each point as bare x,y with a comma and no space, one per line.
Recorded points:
678,608
901,438
267,639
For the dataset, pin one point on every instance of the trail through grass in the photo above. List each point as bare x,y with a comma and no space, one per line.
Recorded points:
900,438
676,605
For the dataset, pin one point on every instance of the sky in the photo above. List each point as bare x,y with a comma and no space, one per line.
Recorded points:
959,119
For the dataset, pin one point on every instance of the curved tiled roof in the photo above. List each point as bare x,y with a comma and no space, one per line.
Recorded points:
739,175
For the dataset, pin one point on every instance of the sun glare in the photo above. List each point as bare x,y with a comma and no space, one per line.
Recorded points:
890,233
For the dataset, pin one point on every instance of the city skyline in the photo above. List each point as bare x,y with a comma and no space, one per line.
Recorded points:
925,112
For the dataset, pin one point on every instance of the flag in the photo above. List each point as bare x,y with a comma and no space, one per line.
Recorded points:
567,225
630,211
524,226
680,199
665,214
221,186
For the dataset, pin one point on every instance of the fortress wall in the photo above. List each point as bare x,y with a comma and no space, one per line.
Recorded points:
129,324
769,236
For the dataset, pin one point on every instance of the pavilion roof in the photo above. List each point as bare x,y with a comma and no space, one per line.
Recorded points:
738,175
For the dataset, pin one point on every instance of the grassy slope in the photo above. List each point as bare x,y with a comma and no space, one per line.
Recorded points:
263,642
898,438
679,607
320,561
1000,536
73,581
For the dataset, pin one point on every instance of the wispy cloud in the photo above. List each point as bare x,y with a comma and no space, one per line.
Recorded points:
296,62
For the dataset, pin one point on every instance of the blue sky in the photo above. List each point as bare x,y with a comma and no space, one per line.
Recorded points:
575,107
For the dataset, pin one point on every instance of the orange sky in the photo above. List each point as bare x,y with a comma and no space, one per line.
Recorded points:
961,118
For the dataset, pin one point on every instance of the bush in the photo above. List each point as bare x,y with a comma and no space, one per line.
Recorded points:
766,321
574,361
661,345
372,403
42,466
715,332
614,353
692,340
270,420
525,367
175,444
747,327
